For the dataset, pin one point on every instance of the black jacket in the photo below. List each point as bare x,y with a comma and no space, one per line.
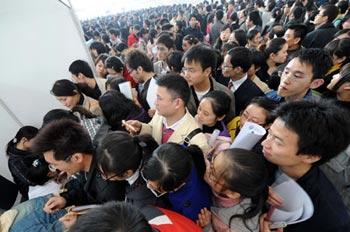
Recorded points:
320,36
245,93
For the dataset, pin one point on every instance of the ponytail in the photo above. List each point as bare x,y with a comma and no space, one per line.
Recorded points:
27,132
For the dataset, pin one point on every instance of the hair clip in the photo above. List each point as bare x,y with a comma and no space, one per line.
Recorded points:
14,140
36,163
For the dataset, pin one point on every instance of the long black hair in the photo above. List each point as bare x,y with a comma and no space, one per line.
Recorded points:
27,132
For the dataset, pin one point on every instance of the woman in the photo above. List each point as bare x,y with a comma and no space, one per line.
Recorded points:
275,54
178,171
100,66
68,94
21,158
254,39
189,41
224,37
239,37
238,180
258,111
114,67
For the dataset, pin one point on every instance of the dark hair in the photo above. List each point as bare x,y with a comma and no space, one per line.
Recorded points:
174,61
254,16
240,57
241,37
114,83
57,114
274,46
323,129
201,54
100,47
64,87
318,59
252,33
258,58
343,31
64,137
192,40
344,77
105,38
114,63
298,13
300,31
27,132
219,14
343,6
331,11
137,58
112,216
166,40
102,57
340,48
114,32
120,47
120,152
176,86
220,102
116,107
277,14
171,164
267,104
81,66
245,173
38,172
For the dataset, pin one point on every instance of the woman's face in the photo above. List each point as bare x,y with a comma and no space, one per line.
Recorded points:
232,38
345,87
205,114
69,101
256,40
185,45
253,113
346,24
100,69
281,56
225,35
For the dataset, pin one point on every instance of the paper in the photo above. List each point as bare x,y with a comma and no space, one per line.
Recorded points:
125,88
152,93
249,135
297,205
213,137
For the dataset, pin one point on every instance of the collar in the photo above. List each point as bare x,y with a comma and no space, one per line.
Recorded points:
132,179
236,84
176,124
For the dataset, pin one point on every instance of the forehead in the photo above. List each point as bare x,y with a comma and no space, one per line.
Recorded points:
279,129
49,157
206,104
290,32
296,66
192,63
163,92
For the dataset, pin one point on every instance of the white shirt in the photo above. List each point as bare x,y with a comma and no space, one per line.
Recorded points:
175,125
238,83
133,178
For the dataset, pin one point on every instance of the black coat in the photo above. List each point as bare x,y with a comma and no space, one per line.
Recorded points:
245,93
320,36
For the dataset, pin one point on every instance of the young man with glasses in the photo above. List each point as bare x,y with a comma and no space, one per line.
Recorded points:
302,74
236,64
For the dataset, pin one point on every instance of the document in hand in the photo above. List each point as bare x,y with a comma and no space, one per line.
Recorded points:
125,88
249,135
297,205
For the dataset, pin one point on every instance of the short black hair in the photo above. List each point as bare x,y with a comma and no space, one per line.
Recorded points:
240,57
174,61
252,33
64,137
114,32
112,216
57,114
331,11
176,85
300,31
319,59
100,48
202,54
219,14
137,58
254,16
166,40
241,37
340,48
81,66
322,128
114,63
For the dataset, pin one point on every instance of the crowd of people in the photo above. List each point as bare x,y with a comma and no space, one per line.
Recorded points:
133,142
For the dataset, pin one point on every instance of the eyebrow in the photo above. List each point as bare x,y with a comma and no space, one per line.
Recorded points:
278,138
297,71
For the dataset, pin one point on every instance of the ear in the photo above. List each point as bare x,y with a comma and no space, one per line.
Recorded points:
296,41
309,159
128,173
80,76
208,71
316,83
77,157
232,195
139,70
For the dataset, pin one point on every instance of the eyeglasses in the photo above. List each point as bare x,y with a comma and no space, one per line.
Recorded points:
105,177
53,167
226,66
249,118
212,175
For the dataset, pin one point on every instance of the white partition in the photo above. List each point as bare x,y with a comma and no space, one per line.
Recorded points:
39,39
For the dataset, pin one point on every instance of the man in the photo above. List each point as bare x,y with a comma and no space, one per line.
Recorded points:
303,136
254,21
172,122
67,146
302,74
294,36
235,66
82,74
114,35
324,28
193,28
165,45
141,70
217,26
199,64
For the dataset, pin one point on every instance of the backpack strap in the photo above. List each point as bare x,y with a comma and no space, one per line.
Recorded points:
190,136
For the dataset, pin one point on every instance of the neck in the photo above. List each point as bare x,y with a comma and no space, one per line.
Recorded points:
297,171
320,25
87,162
203,86
237,77
296,97
293,48
172,119
20,146
271,63
148,76
91,82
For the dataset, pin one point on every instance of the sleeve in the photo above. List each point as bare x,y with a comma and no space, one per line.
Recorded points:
19,171
74,193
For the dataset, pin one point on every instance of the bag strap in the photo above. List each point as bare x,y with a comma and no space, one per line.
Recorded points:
191,135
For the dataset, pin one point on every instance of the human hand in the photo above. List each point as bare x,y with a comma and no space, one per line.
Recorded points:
132,126
204,218
54,204
151,112
264,224
69,220
274,199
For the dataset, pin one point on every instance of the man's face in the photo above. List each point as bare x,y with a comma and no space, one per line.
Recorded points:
289,37
320,18
281,145
165,104
193,22
227,68
194,74
296,79
70,166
